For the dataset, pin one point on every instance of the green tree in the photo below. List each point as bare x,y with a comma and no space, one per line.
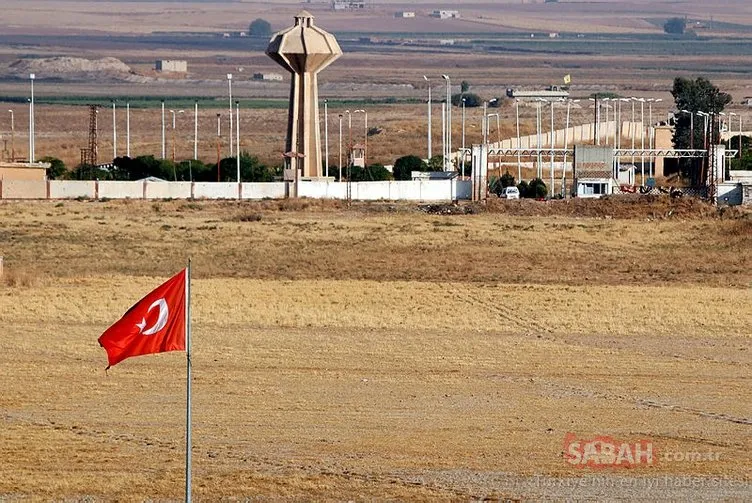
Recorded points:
259,28
251,169
698,95
57,168
404,166
372,173
464,86
436,163
675,26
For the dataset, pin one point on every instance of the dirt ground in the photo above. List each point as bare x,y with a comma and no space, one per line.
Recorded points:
378,352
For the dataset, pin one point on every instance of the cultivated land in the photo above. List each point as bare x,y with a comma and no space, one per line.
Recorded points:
378,351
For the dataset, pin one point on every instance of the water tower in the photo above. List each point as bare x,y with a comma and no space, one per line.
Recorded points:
304,50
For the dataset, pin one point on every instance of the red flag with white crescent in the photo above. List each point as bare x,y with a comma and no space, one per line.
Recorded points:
155,324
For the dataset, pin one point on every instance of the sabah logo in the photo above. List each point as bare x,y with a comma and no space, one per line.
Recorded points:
164,313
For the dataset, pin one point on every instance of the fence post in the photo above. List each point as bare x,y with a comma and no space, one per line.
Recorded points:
1,266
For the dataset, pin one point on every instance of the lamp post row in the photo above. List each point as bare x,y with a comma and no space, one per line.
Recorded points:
446,127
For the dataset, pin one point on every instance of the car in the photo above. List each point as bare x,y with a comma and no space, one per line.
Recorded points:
510,193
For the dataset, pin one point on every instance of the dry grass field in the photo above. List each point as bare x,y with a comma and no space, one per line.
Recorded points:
376,352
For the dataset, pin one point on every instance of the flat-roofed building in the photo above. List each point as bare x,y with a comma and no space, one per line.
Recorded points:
172,65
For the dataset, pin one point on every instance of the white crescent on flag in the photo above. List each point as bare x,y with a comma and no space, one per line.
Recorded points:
164,313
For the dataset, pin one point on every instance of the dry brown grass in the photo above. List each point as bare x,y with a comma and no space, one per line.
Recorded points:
361,389
375,241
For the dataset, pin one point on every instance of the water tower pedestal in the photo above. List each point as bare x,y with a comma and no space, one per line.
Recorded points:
304,50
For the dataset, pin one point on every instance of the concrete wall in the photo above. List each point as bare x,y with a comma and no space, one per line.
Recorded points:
121,190
23,189
270,190
215,190
70,189
410,190
166,190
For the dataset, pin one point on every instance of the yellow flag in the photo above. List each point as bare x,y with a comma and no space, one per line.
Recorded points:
567,79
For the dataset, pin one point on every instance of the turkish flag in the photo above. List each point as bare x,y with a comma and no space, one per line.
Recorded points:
156,324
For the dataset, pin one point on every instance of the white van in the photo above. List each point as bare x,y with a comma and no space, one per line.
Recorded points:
510,193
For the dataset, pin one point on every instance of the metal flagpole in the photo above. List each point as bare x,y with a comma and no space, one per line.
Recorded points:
188,383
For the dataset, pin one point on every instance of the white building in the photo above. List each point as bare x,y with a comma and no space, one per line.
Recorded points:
404,14
446,14
268,76
171,65
348,4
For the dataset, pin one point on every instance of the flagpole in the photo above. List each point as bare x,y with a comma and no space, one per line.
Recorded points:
188,383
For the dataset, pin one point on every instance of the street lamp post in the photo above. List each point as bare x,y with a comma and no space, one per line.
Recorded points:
365,136
219,140
448,160
114,131
229,87
173,112
429,117
326,139
443,137
349,142
127,129
519,154
339,163
553,144
705,116
12,137
237,137
566,145
32,126
163,130
539,127
462,162
195,130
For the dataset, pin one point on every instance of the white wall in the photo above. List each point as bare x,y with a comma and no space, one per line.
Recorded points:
167,190
215,190
121,190
263,190
408,190
70,189
24,189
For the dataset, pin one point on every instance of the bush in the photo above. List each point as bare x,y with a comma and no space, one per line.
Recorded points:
507,180
372,173
471,100
535,189
675,26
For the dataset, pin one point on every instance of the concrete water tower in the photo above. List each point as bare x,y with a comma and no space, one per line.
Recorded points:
304,50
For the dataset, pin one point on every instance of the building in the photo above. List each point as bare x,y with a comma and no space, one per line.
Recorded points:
35,171
593,171
348,4
446,41
446,14
172,65
268,76
404,14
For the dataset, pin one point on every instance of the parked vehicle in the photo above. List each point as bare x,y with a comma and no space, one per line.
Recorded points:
510,193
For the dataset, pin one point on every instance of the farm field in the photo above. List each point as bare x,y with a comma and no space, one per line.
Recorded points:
378,351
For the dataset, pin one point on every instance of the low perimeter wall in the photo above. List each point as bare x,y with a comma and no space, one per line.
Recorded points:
414,190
